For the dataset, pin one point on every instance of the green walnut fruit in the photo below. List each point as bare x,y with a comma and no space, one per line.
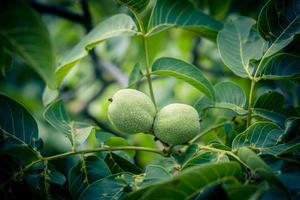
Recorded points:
176,124
131,111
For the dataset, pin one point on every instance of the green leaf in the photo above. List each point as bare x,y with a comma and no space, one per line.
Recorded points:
49,96
257,165
238,44
109,188
281,66
119,142
136,6
24,33
23,153
285,148
270,106
231,96
55,176
239,191
119,164
16,124
258,136
182,154
155,174
184,71
135,75
117,25
103,136
205,157
57,116
86,172
278,23
181,13
190,182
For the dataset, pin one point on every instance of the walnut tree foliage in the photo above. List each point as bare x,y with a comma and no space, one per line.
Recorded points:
248,146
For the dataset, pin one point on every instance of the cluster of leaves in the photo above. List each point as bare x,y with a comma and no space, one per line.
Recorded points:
252,152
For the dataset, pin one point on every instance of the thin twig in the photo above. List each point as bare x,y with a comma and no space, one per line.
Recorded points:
58,11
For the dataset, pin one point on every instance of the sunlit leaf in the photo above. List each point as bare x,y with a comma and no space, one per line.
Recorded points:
136,6
190,182
185,71
229,95
135,75
278,23
25,34
117,25
86,172
181,13
238,43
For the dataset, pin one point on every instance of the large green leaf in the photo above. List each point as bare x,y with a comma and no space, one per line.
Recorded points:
181,13
23,32
231,96
281,66
278,22
87,171
190,182
117,25
270,106
185,71
109,188
16,123
258,136
257,165
238,44
136,6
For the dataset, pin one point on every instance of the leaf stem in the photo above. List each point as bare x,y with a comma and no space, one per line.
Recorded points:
207,131
146,55
85,151
148,76
46,179
207,148
63,155
250,99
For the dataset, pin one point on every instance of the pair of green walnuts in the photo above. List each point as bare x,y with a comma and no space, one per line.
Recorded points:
132,111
